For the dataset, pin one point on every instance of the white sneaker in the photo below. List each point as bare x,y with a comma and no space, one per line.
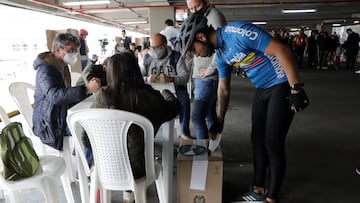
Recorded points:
358,71
213,144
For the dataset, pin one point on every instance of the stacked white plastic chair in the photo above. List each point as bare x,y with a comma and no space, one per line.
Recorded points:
20,94
46,179
107,131
5,119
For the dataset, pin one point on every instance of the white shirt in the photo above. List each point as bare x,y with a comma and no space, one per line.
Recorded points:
170,32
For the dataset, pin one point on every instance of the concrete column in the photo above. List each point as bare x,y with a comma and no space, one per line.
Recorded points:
158,17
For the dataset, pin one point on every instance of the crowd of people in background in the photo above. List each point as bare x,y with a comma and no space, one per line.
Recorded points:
322,49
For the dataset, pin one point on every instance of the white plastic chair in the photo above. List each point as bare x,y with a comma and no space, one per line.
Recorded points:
45,179
20,92
5,119
107,131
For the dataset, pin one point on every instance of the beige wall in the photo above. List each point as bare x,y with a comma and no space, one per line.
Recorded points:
158,17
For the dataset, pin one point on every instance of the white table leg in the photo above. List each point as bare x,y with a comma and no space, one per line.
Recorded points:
168,158
83,180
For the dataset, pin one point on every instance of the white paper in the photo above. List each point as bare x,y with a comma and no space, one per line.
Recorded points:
199,169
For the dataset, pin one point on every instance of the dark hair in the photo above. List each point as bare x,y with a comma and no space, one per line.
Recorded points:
138,48
169,22
123,31
124,80
146,44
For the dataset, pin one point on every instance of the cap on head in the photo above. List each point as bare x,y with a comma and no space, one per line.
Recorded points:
193,24
83,32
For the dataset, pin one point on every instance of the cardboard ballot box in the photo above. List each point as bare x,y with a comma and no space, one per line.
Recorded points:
199,178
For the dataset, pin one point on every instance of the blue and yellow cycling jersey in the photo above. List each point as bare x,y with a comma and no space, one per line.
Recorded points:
243,44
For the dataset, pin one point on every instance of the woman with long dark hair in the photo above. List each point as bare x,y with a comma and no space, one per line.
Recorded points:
126,90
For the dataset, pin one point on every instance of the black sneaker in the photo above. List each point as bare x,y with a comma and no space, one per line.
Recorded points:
251,197
358,170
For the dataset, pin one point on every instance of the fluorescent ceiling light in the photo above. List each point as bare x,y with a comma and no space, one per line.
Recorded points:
84,3
259,23
135,22
336,25
298,11
333,20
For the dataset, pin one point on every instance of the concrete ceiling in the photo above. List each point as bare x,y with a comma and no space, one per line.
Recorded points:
118,12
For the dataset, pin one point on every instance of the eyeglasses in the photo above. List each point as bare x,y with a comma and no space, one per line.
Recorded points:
66,50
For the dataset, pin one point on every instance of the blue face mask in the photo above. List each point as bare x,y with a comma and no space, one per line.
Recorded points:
157,53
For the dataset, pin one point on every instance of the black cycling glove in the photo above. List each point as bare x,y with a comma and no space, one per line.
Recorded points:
217,127
298,98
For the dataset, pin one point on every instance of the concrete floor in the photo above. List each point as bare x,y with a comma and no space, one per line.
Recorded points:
323,144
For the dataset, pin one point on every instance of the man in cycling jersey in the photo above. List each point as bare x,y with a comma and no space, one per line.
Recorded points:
279,93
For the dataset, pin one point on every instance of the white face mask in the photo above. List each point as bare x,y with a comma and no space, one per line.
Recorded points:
157,53
70,58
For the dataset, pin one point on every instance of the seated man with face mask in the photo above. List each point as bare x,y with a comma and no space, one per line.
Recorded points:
53,91
167,66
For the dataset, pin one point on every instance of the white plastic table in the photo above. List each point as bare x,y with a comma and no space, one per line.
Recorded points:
161,86
167,133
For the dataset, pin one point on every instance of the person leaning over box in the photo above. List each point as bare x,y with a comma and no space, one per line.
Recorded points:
279,93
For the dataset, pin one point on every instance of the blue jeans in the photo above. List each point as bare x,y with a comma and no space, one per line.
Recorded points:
84,64
204,107
87,151
184,115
